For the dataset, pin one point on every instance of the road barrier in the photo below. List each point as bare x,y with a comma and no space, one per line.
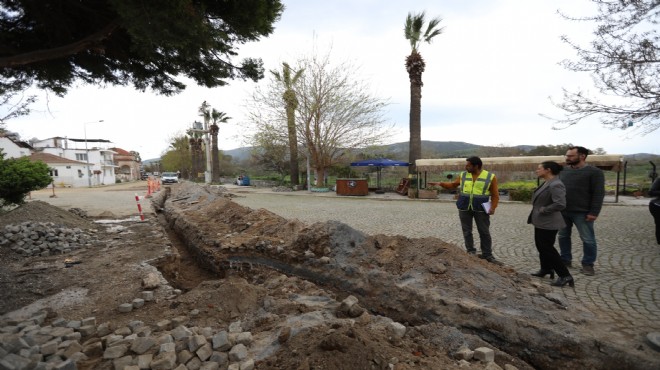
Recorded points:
137,199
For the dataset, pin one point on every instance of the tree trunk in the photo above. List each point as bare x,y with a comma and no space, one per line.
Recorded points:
320,177
215,160
293,147
201,157
193,155
415,66
415,152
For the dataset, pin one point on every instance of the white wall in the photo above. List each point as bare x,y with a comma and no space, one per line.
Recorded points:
11,150
68,175
94,156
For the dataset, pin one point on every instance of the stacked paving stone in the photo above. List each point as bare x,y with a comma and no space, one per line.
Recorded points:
44,238
169,344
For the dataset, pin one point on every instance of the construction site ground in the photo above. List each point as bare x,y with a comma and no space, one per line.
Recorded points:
402,259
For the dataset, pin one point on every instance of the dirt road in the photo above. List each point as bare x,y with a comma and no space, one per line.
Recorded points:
117,199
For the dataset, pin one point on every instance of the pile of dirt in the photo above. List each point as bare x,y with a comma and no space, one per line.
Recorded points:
418,303
417,282
38,211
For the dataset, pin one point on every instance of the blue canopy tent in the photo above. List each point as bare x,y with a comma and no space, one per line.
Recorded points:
379,163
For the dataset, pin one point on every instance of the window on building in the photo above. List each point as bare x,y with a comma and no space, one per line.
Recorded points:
81,157
53,172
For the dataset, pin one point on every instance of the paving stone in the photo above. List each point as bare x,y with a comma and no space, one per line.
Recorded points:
484,354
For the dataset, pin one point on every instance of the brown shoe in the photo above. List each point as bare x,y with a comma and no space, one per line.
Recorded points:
588,270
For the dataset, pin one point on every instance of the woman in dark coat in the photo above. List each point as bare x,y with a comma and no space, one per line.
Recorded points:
654,206
547,202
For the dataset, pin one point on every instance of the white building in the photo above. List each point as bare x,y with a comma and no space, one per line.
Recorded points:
98,161
14,148
65,172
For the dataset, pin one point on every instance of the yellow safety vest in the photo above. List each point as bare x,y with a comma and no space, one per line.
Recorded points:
474,193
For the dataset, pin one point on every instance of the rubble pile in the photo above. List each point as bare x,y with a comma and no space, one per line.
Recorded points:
60,344
44,238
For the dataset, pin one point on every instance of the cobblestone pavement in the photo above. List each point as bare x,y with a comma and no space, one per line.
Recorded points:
626,287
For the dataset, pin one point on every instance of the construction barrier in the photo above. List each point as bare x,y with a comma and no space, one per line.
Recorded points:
149,188
137,199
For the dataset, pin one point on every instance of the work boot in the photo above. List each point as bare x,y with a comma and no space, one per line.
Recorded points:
588,270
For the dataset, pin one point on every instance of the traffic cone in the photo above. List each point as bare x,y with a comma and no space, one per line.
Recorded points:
148,188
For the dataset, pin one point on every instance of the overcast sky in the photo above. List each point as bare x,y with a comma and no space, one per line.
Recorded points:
487,79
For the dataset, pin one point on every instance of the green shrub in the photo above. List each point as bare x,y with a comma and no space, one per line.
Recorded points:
520,191
521,195
18,177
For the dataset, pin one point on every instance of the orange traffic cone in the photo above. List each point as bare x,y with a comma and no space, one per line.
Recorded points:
148,188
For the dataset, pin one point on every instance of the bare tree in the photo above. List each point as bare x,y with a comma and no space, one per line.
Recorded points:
14,104
270,151
624,62
335,112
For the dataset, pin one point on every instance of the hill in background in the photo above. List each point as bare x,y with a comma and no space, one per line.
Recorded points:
435,149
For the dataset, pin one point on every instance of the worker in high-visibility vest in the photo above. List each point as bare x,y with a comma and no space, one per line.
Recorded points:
478,198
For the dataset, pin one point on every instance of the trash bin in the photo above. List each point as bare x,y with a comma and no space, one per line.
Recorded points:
352,187
245,181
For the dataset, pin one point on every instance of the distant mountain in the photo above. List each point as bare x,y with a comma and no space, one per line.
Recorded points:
239,154
436,149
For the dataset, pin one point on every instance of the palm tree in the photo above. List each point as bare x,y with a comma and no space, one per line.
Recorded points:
194,153
415,67
291,104
216,117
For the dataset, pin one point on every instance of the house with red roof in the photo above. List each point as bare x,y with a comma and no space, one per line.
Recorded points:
127,164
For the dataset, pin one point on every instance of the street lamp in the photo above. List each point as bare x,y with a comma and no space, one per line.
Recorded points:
89,172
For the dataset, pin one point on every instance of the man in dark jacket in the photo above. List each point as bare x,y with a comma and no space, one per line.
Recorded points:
585,191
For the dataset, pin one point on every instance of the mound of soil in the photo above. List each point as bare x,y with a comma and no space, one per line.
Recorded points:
38,211
320,296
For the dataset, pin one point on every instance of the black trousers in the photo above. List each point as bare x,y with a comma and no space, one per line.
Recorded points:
655,212
548,255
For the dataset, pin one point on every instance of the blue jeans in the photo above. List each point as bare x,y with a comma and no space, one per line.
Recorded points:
586,230
482,219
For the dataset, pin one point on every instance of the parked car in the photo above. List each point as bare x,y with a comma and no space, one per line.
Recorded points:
169,178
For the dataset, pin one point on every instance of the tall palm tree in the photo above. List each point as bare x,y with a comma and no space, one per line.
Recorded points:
415,66
291,104
216,117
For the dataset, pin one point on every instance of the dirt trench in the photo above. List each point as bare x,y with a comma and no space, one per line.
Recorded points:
432,287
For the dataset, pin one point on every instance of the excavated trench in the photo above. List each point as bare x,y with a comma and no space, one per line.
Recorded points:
413,281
